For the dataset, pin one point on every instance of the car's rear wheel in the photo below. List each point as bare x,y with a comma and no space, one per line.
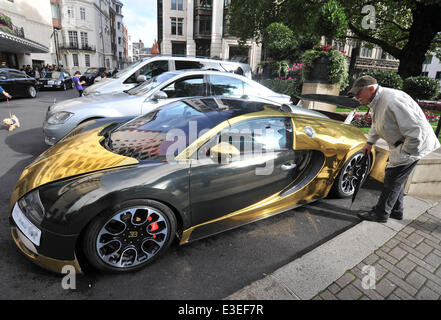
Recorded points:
32,92
129,236
344,185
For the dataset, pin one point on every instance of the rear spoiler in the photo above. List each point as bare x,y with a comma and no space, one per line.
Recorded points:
341,101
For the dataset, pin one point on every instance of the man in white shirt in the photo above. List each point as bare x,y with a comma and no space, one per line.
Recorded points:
399,120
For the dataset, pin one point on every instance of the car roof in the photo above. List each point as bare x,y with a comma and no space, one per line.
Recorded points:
207,59
190,72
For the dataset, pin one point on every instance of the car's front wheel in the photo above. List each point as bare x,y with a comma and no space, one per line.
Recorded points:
129,236
344,185
32,92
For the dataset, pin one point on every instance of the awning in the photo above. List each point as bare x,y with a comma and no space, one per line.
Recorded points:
14,44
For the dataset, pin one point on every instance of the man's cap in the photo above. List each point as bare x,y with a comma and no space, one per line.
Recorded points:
362,82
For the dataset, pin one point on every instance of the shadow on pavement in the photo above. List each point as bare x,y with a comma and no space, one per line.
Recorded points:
27,142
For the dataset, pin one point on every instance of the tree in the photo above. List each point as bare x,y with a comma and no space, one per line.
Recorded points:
406,29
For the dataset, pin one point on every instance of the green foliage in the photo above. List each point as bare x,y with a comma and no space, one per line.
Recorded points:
337,69
5,20
384,78
276,68
332,20
279,40
421,87
289,87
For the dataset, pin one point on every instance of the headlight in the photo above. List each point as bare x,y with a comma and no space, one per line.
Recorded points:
59,117
31,206
58,82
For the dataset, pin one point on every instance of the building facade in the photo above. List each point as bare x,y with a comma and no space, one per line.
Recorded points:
432,67
199,28
26,33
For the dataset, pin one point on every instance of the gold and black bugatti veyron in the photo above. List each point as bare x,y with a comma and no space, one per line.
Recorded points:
117,192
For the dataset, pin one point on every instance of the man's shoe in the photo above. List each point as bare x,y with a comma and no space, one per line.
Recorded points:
371,216
396,215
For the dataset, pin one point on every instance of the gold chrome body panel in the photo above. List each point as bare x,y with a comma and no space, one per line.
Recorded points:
70,157
44,262
334,139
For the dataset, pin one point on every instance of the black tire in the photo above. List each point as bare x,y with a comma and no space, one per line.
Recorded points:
138,244
32,92
343,186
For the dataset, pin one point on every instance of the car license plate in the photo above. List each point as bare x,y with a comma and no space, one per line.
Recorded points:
28,228
50,82
48,86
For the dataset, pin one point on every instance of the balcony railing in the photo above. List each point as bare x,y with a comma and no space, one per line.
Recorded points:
14,30
77,46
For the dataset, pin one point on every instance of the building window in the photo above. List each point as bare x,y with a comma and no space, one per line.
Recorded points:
84,40
428,60
83,13
180,26
75,60
55,10
119,40
73,39
70,12
177,5
438,75
366,52
87,60
179,48
205,25
173,25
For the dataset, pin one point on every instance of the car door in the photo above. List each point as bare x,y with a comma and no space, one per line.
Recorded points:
191,86
17,83
221,85
264,166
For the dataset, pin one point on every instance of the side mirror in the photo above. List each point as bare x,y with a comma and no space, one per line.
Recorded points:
141,78
158,95
223,152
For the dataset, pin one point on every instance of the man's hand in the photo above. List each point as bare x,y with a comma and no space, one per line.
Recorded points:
366,148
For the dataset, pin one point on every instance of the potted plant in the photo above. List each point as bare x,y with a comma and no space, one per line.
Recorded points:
326,64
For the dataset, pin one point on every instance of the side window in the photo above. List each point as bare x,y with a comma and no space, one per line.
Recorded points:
15,75
182,64
233,68
188,87
226,86
254,137
153,69
150,70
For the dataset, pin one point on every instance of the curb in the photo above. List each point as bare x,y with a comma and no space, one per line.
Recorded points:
305,277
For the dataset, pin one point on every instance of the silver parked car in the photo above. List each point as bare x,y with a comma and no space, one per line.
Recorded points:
147,68
64,116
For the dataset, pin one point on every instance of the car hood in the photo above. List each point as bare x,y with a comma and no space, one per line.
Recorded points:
108,99
98,85
77,155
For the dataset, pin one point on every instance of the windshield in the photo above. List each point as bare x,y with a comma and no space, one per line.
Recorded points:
55,75
150,84
130,68
164,133
92,71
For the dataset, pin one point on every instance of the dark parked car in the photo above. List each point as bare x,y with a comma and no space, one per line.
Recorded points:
56,80
91,74
116,194
17,83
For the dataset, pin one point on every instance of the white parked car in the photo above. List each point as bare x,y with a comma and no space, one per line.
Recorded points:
147,68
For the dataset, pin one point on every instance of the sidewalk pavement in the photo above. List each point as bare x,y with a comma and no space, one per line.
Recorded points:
371,261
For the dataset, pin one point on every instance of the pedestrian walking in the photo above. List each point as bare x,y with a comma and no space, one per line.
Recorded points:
7,95
78,83
399,120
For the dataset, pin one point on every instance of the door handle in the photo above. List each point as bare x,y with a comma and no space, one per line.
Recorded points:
288,166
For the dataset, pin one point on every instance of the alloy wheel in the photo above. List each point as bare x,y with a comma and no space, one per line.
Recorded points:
350,172
132,236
